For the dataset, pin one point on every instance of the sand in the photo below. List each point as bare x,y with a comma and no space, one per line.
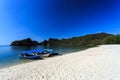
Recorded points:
99,63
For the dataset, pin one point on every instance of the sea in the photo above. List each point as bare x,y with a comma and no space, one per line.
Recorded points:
9,55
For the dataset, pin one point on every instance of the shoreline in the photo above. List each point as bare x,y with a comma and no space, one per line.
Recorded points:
97,63
14,64
24,61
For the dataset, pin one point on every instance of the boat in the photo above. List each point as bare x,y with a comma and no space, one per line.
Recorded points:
43,53
38,54
29,55
50,53
48,50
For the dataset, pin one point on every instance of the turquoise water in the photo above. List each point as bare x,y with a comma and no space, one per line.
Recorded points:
10,55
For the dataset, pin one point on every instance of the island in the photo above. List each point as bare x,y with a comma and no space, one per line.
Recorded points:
86,40
24,42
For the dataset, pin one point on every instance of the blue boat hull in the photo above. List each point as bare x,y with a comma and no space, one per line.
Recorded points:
30,57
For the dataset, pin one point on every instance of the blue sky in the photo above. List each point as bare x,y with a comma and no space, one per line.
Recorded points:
42,19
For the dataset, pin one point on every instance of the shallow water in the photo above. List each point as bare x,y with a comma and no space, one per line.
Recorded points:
10,55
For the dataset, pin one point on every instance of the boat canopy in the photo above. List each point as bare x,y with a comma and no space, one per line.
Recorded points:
31,51
25,52
36,51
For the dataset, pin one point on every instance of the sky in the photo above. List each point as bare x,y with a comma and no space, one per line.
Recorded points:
42,19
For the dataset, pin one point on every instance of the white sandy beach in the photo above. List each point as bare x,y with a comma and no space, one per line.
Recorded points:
99,63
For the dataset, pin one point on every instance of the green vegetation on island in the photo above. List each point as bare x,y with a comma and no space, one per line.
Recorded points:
24,42
87,40
113,39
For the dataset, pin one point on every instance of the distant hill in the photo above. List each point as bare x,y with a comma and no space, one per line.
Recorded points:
24,42
87,40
